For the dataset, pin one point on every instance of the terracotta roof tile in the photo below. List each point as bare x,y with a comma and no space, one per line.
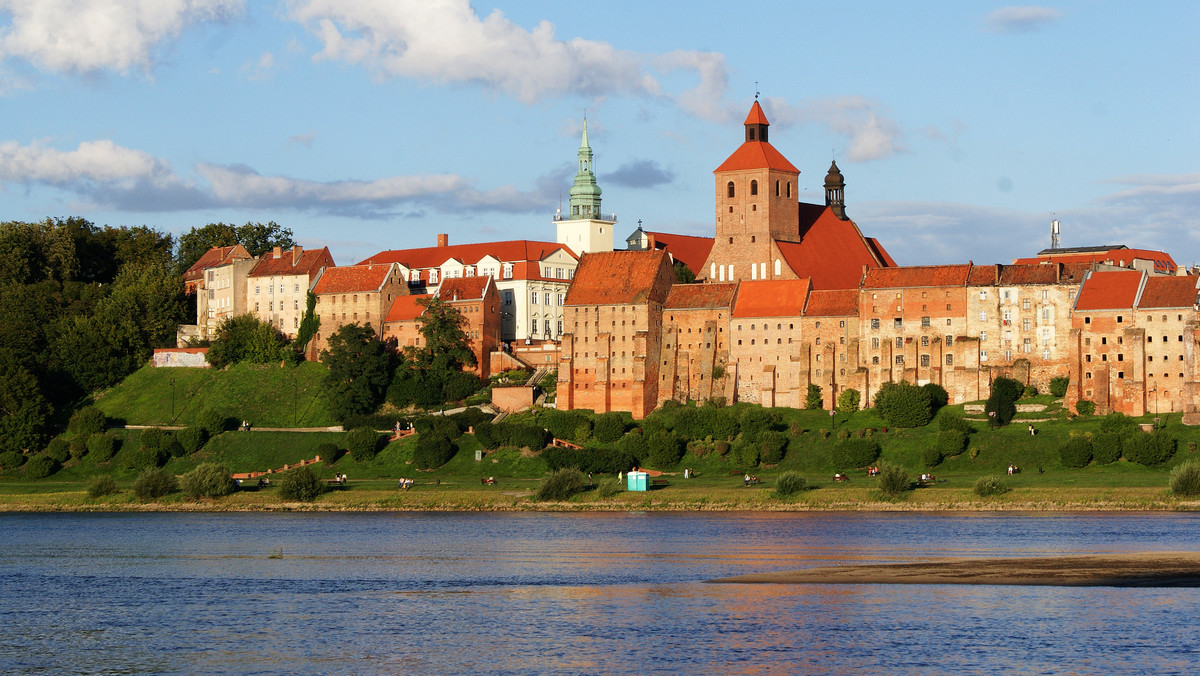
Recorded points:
756,116
1175,292
756,155
700,296
832,303
1123,256
214,257
832,252
463,288
1109,290
470,254
405,308
917,275
310,262
983,275
693,251
616,277
353,278
772,298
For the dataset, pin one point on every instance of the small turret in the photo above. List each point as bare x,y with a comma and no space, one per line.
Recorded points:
835,191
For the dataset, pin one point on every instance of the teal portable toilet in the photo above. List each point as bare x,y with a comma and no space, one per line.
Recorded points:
637,481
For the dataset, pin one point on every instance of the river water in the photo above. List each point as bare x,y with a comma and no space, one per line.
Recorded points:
570,594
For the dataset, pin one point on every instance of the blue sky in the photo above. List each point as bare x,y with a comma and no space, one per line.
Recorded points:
961,128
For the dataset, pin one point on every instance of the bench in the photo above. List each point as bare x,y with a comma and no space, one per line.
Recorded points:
660,482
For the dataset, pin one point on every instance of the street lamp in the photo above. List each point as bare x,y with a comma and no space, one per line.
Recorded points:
833,417
1154,391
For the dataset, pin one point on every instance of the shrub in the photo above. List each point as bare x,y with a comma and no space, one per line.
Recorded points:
1149,449
58,449
788,484
931,456
987,486
1058,386
721,448
893,479
582,433
745,453
756,420
152,437
1001,405
598,460
212,421
11,460
78,447
191,438
949,419
903,404
143,458
1085,407
1031,390
812,400
666,450
726,425
853,453
609,427
101,447
41,466
87,421
329,452
1185,479
1119,423
433,451
171,447
208,480
1076,452
950,443
300,483
154,483
938,396
608,488
848,400
461,384
363,444
771,447
101,486
562,484
522,436
1106,448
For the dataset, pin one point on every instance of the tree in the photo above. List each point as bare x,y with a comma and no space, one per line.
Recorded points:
257,238
24,412
246,338
903,404
1001,405
360,368
848,400
813,399
443,329
310,323
683,274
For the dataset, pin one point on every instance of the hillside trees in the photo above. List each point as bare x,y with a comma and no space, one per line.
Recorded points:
432,374
257,238
246,338
360,368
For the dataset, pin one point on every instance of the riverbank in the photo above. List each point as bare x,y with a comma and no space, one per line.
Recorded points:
1142,569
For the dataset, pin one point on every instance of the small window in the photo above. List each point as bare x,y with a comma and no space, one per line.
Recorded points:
753,188
949,360
730,188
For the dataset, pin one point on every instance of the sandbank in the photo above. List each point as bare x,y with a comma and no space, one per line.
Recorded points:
1142,569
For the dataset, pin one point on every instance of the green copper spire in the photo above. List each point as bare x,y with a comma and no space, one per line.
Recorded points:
585,194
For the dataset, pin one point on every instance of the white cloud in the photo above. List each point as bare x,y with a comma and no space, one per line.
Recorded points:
261,69
92,35
871,134
102,161
1020,19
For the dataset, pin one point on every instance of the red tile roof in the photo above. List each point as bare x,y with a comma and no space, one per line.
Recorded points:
700,296
880,252
470,254
214,257
832,303
1163,263
1109,290
617,277
772,298
756,115
756,155
463,288
353,278
309,263
405,308
693,251
831,251
984,275
917,275
1175,292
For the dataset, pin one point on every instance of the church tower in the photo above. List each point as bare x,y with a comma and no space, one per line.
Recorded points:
757,203
583,228
835,192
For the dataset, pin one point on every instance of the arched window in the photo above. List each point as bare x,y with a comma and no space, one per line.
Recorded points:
753,188
789,189
730,187
778,267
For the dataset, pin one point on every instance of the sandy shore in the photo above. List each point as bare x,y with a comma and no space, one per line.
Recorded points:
1143,569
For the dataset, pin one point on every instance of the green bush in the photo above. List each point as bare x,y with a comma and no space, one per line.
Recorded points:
191,439
608,488
1031,390
143,457
59,449
987,486
788,484
562,484
101,447
848,400
1185,479
213,422
950,443
101,486
1085,407
1106,448
485,434
1119,423
666,450
1150,449
153,437
931,456
745,454
855,453
1001,405
208,480
78,447
363,444
609,427
903,404
301,484
328,452
1076,452
87,421
154,483
949,419
1058,386
598,460
893,479
11,460
726,424
582,433
938,396
172,448
41,466
433,451
812,400
771,447
756,420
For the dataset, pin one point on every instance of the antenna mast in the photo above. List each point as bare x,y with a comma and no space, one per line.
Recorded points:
1054,233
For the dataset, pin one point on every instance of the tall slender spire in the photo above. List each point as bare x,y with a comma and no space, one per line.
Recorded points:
585,193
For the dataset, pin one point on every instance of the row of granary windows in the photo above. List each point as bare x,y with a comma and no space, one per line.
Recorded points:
787,190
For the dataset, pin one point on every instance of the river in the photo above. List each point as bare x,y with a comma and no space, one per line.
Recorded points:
570,594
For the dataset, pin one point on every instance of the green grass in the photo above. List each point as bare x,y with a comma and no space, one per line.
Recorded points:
267,396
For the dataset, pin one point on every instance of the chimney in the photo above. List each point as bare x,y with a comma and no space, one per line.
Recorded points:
297,252
650,241
278,252
443,239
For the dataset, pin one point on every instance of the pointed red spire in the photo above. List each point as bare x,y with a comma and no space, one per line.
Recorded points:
756,116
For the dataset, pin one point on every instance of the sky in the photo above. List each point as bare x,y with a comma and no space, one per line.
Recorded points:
962,128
